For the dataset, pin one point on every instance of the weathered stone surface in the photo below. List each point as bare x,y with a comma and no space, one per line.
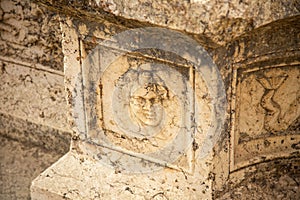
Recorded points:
277,179
138,118
264,117
265,88
263,67
219,20
30,33
96,181
32,93
215,22
20,164
277,40
31,133
258,62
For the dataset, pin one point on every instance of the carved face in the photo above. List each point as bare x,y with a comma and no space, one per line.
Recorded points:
146,105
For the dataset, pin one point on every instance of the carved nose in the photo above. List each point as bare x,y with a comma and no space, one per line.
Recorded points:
147,105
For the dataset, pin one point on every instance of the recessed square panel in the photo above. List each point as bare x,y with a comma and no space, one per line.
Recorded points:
267,107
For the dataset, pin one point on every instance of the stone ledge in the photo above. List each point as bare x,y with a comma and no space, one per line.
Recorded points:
218,21
81,177
19,164
276,179
28,132
33,93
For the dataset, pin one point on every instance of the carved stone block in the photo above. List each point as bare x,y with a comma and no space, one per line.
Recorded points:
143,124
267,112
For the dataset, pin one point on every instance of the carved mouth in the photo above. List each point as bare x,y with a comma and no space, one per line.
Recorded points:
149,115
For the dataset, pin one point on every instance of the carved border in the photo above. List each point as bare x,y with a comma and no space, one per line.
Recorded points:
284,149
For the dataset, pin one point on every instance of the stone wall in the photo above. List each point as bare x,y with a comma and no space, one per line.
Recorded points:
32,90
264,137
213,23
254,44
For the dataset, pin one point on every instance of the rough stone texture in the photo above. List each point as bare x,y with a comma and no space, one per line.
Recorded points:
32,96
265,112
33,105
30,33
269,42
20,164
31,77
221,21
151,148
259,64
260,70
266,85
111,184
213,22
279,179
31,133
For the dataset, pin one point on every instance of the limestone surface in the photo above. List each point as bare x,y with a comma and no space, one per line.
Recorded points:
213,22
20,164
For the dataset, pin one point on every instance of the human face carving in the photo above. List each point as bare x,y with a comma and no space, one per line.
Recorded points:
146,107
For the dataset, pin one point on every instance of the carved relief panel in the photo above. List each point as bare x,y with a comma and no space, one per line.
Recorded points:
145,109
148,104
143,113
267,113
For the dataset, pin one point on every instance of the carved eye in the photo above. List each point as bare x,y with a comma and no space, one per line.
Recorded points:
138,101
154,101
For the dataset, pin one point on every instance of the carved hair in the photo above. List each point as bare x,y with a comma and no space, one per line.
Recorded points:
150,81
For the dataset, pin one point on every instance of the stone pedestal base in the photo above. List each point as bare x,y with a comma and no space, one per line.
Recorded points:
79,177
